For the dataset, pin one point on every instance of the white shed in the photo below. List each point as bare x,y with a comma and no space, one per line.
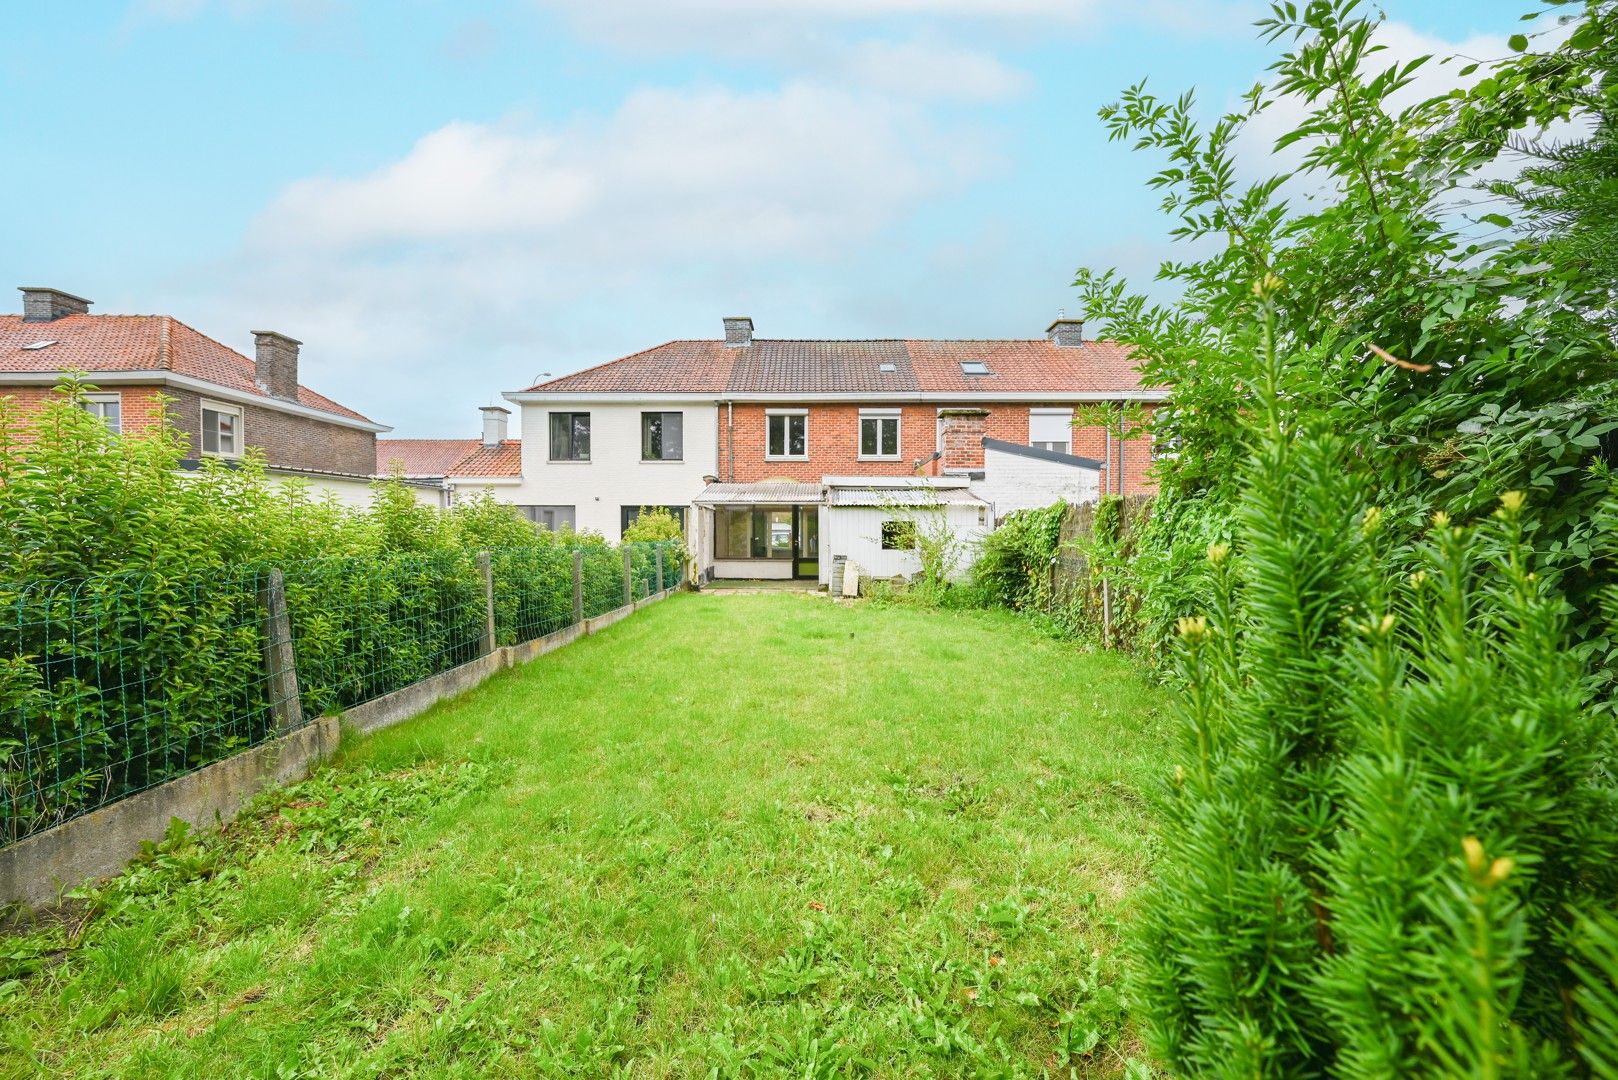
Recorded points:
1017,477
870,522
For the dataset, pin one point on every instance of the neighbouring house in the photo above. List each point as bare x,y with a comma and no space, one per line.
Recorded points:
742,437
463,468
146,367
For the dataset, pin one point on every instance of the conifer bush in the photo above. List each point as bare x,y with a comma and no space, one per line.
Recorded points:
1393,806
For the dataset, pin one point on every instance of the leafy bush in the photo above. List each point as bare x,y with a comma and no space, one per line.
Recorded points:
654,524
1015,559
132,615
1394,796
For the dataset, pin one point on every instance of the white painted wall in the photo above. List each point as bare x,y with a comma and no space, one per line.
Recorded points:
1014,482
356,493
856,531
615,476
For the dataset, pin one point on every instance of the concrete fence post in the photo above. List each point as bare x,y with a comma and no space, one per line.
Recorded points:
486,568
629,578
660,568
578,586
279,666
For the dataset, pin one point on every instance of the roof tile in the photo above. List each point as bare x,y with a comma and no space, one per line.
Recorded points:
108,343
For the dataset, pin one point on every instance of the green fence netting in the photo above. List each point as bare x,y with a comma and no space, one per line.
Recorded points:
111,685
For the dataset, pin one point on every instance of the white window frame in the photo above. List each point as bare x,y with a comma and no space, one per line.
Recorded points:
786,435
1066,414
879,415
106,399
224,410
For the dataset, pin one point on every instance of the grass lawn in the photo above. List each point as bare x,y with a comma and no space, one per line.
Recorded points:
733,835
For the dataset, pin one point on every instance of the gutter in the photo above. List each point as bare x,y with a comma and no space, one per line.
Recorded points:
199,386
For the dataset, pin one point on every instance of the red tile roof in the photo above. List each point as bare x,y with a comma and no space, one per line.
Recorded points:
109,343
502,460
421,457
770,366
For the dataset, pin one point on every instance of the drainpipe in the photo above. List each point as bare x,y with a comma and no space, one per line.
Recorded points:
730,440
1122,424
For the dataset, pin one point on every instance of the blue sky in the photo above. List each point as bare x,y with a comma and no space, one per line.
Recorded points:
446,200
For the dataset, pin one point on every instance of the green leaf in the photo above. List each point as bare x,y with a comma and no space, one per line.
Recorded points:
1518,42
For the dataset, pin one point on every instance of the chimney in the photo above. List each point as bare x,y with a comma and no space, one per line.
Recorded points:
961,439
48,305
1065,333
276,370
738,330
494,424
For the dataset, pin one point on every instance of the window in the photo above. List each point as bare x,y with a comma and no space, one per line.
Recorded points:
974,367
570,436
108,408
221,429
764,533
662,436
898,535
1051,429
554,518
879,435
628,514
787,435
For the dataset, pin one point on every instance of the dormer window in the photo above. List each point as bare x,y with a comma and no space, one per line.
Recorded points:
975,367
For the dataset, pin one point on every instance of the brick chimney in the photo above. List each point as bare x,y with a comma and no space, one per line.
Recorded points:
961,439
276,367
738,330
494,424
48,305
1066,333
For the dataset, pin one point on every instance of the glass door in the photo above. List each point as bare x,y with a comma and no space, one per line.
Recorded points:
806,563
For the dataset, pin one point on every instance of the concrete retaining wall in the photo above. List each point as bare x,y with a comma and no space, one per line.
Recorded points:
100,843
97,845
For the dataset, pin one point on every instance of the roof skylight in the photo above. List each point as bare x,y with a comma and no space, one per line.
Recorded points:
36,345
887,367
974,367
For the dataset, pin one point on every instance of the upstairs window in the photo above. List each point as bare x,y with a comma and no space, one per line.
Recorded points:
221,429
108,408
662,436
570,436
786,435
1051,429
879,435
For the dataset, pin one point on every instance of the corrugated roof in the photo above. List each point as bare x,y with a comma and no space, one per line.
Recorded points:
768,491
919,496
108,343
770,366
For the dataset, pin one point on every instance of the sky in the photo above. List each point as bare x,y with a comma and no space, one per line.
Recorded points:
448,200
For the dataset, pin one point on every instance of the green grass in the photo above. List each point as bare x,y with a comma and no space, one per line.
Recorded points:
733,835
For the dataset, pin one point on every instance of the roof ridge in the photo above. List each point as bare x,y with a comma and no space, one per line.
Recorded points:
616,360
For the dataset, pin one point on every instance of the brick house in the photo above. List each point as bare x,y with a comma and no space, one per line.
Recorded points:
738,427
145,366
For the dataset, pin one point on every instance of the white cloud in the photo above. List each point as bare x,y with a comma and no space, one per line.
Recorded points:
671,173
487,253
927,70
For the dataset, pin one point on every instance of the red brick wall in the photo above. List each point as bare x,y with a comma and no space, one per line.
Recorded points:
293,442
834,443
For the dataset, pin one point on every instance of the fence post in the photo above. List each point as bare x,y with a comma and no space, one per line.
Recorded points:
629,583
1106,614
578,586
660,568
486,568
279,665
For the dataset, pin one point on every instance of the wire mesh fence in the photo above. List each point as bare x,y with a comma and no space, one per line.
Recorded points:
111,685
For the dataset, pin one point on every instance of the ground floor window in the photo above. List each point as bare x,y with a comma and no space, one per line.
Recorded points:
553,518
628,514
756,533
898,535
